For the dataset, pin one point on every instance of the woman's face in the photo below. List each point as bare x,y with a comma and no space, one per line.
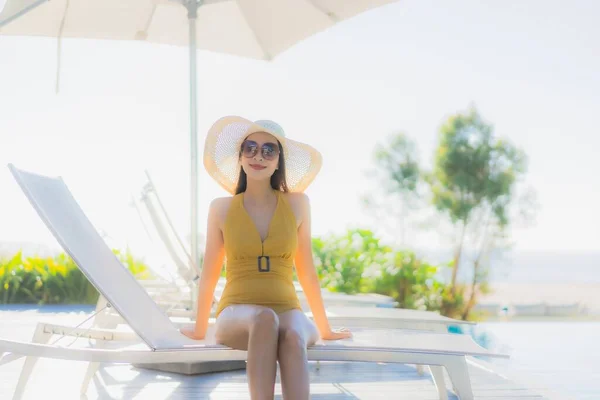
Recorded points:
260,155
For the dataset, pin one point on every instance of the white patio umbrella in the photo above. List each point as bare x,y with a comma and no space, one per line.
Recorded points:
259,29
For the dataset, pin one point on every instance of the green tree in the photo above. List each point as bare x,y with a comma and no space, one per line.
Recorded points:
397,168
473,185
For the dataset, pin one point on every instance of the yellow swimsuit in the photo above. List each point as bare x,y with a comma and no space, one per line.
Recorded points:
258,272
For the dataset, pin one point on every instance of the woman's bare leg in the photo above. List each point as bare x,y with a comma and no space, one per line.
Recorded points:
296,333
255,329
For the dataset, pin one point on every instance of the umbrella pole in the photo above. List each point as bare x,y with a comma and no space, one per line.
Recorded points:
192,7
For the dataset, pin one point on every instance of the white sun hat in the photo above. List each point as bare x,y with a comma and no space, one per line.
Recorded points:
224,141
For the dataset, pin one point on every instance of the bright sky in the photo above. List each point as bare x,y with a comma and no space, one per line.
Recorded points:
531,67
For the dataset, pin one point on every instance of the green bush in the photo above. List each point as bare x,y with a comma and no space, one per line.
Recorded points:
53,280
342,260
357,262
409,280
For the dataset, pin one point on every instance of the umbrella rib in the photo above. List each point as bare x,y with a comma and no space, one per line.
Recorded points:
63,19
150,18
260,44
61,29
329,14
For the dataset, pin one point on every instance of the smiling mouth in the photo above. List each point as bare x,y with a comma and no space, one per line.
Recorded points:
256,166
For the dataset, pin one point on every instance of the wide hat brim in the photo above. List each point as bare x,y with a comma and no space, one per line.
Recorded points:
223,143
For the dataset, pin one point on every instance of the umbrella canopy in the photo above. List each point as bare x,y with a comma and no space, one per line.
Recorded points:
259,29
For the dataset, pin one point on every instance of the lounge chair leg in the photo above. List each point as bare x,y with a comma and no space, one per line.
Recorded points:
458,371
437,373
94,366
39,336
89,374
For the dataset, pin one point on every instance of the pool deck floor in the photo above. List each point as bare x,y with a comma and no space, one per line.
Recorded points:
329,380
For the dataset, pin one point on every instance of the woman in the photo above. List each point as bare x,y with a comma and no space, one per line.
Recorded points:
263,230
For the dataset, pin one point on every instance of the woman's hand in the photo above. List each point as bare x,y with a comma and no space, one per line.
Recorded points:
191,333
336,334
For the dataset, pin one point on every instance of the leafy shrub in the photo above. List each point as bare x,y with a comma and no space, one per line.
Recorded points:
357,262
409,280
342,260
53,280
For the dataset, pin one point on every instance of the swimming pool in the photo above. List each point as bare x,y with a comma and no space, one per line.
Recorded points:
562,356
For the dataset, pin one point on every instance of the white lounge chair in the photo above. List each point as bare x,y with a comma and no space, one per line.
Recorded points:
162,342
177,279
164,229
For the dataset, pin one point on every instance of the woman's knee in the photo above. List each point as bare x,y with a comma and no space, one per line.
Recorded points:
265,320
292,339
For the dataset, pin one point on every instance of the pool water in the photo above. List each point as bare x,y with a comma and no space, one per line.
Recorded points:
561,356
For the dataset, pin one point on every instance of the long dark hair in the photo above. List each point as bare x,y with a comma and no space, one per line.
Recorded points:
278,180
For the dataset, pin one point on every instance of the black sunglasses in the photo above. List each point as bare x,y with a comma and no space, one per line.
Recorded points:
269,151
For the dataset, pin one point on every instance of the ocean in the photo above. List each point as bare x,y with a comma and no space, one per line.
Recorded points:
531,266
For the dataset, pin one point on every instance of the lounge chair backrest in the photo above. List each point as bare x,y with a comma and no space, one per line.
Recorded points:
61,213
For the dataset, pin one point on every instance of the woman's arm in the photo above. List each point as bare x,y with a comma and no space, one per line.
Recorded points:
211,270
307,275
